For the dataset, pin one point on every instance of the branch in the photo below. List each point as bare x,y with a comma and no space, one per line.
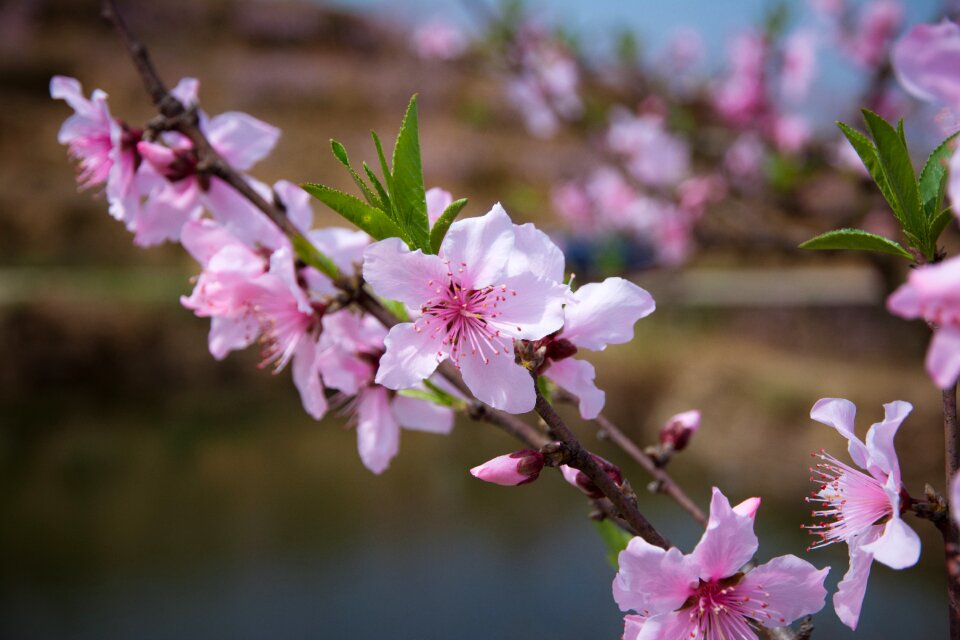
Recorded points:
951,535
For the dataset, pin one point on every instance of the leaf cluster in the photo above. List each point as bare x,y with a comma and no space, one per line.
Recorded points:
917,202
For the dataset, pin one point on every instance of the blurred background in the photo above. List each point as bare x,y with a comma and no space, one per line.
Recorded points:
148,491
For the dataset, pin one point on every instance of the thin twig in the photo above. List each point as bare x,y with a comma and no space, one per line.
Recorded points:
951,535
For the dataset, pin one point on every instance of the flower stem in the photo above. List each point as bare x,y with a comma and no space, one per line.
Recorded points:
951,536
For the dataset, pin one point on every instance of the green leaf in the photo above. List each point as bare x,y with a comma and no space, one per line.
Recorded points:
384,197
434,395
408,193
939,223
898,170
614,539
933,180
868,154
370,219
443,223
340,152
384,169
396,308
858,240
309,253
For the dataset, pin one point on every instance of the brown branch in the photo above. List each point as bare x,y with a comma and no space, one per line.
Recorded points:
951,535
582,460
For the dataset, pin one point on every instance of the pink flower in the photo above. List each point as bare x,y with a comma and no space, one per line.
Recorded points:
744,159
475,297
931,292
799,65
654,156
862,509
741,96
581,481
679,429
439,40
705,595
437,201
519,467
603,313
876,26
698,192
790,132
927,63
105,148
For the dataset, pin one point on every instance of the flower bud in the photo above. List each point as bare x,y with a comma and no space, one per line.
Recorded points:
581,481
519,467
678,430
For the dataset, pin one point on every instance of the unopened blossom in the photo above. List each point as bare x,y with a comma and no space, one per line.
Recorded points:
475,297
705,595
932,293
862,507
583,482
350,347
512,469
438,39
678,430
105,148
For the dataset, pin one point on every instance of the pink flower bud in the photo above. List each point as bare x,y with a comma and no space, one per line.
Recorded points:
678,430
581,481
519,467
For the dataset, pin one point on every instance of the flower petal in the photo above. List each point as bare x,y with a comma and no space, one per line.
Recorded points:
378,434
397,273
576,376
500,382
728,543
483,245
344,246
240,217
422,415
306,377
231,334
880,438
165,212
943,356
668,626
926,60
848,600
632,625
606,313
530,307
296,202
410,358
840,414
898,546
790,588
241,139
437,201
534,251
652,580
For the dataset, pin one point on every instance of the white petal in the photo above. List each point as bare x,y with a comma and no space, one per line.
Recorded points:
483,244
606,313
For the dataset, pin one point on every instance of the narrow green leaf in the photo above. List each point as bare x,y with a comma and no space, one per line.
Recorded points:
868,154
307,252
384,197
939,223
614,539
900,133
442,399
396,308
933,179
370,219
858,240
387,176
443,223
897,168
408,193
340,152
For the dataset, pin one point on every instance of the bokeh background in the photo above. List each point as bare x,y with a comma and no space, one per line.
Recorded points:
147,491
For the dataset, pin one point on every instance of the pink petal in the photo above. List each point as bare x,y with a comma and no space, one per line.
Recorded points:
378,434
306,377
728,543
422,415
790,587
437,201
532,308
652,580
203,239
187,91
848,599
534,251
396,273
231,334
576,376
166,211
953,183
344,246
240,217
674,625
410,358
483,244
70,91
906,301
297,204
840,414
606,313
241,139
632,625
926,62
748,508
943,356
512,469
500,382
898,546
880,438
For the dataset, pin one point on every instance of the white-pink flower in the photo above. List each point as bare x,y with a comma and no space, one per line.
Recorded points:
653,155
926,61
876,26
474,298
705,595
932,292
862,508
438,39
799,65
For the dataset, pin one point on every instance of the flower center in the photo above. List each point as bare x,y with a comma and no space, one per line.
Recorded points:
851,501
464,318
723,609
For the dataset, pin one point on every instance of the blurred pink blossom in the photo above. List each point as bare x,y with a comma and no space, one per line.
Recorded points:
799,65
877,24
653,156
438,39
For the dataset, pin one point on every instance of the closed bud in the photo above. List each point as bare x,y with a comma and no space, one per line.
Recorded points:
581,481
678,430
519,467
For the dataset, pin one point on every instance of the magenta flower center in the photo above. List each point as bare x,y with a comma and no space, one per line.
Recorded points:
851,501
723,609
463,317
